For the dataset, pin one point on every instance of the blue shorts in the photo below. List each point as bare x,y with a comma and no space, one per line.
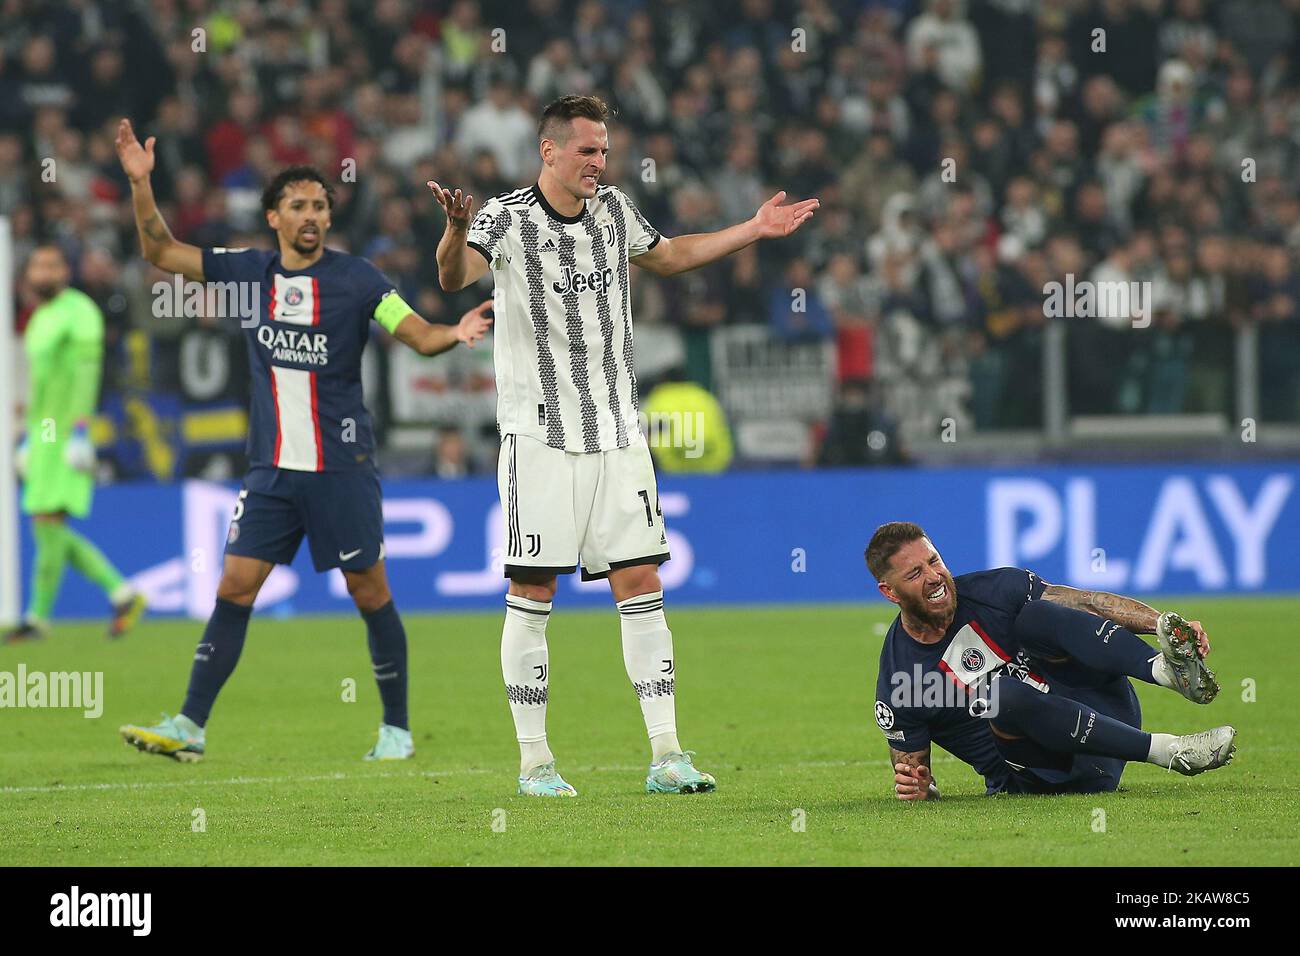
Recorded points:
1049,772
340,512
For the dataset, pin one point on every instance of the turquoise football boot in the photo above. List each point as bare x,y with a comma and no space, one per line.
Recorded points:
176,737
394,743
543,781
676,773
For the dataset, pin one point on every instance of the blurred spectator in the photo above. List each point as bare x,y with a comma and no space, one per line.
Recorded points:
499,125
1169,159
861,431
451,457
795,311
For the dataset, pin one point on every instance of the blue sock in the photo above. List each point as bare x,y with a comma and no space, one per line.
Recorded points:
1062,725
387,639
215,658
1091,643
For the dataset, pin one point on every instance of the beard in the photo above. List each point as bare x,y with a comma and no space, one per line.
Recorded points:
923,612
305,248
46,290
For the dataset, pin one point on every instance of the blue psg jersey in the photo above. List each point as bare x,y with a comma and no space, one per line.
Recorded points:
306,410
927,693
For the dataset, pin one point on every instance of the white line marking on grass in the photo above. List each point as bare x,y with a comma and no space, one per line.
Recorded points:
364,777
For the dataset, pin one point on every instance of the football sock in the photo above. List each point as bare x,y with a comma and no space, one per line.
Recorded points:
91,562
1050,630
387,640
648,657
215,658
1159,752
1063,725
526,671
47,570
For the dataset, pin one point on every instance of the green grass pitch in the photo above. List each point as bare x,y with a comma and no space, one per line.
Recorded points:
777,703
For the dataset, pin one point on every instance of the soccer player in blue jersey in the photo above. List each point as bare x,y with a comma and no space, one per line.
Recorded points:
1028,682
310,444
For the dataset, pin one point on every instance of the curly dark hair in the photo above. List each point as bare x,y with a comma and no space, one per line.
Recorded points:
274,190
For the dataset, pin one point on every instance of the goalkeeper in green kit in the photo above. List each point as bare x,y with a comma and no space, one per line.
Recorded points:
64,342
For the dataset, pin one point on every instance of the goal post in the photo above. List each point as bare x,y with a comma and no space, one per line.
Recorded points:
10,608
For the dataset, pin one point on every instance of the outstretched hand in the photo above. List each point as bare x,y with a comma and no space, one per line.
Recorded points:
458,208
474,324
137,161
775,221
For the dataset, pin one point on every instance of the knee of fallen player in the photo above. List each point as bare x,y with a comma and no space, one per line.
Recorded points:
1013,706
1002,733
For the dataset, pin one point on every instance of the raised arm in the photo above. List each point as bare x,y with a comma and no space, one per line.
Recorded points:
683,253
458,264
429,339
157,244
912,777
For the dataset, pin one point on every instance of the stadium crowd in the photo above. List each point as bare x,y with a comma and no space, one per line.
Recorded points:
965,154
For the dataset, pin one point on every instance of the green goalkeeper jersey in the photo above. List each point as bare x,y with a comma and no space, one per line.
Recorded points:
64,342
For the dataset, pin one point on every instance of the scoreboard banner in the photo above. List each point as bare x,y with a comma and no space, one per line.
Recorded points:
752,538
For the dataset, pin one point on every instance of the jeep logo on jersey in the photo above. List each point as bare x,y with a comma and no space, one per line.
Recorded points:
304,348
582,282
972,659
884,716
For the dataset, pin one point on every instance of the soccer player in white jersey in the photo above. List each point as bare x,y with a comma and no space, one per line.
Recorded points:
575,474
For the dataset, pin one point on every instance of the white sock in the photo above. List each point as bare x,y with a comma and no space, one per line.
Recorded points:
1161,673
648,656
122,593
1160,744
526,670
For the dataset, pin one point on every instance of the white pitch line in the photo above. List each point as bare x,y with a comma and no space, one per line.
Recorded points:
427,774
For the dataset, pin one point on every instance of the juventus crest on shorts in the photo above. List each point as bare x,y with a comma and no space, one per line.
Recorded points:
563,332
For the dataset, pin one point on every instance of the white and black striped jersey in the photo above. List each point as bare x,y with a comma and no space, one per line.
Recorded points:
563,328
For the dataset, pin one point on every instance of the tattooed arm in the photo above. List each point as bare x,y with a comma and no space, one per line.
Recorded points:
157,244
912,779
1126,612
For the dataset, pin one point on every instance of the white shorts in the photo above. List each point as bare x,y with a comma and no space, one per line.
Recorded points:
561,508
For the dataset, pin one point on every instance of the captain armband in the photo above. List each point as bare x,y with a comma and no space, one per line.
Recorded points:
391,310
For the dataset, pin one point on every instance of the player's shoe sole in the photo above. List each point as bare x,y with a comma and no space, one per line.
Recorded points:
1177,642
150,742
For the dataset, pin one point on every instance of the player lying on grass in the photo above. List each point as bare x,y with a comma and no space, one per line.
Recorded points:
310,445
64,342
1026,681
575,472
